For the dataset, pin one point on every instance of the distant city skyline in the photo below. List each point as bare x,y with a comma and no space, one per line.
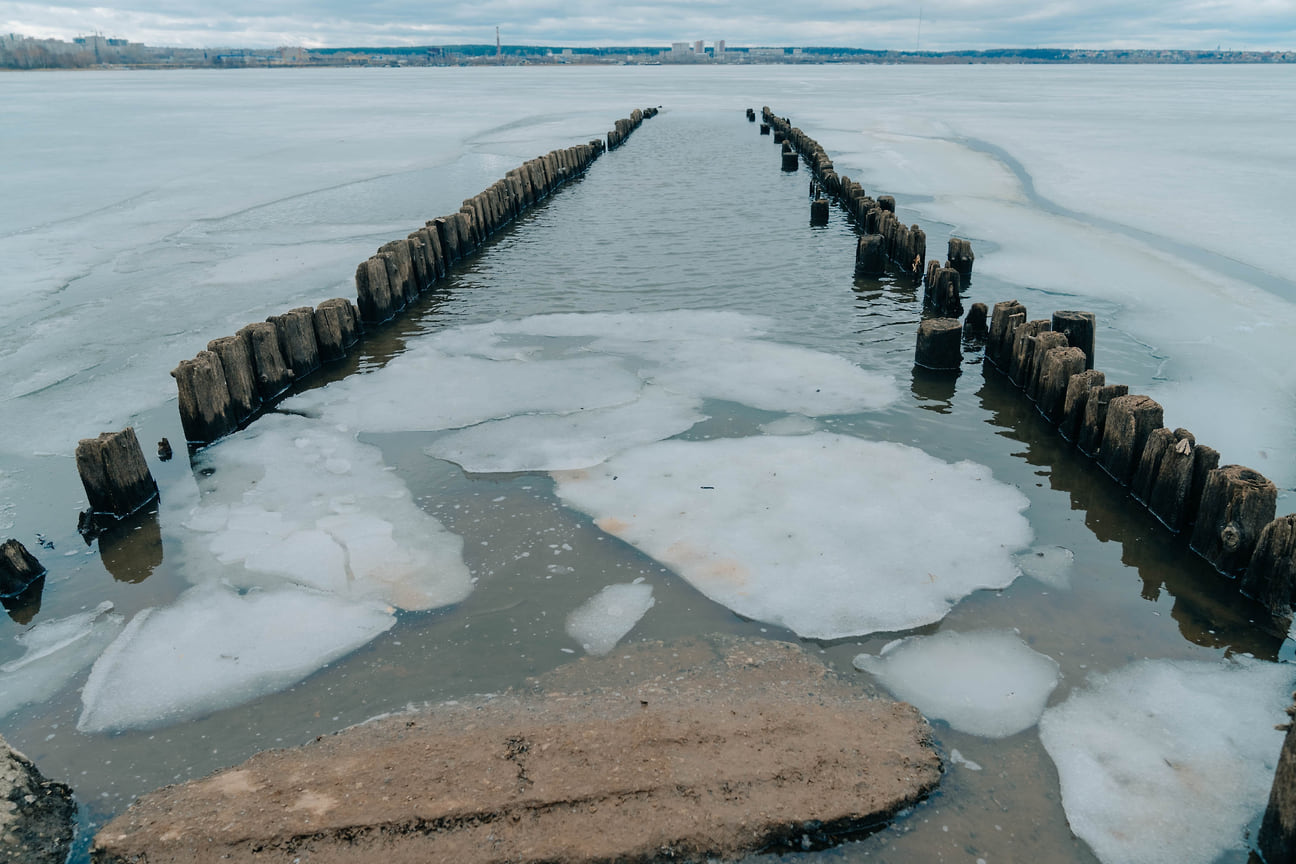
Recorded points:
932,25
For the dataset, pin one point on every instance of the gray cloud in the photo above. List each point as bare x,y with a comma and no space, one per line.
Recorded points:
891,24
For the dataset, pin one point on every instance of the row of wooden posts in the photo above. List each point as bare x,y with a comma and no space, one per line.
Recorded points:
884,239
228,385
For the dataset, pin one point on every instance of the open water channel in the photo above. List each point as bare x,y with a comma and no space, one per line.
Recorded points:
692,215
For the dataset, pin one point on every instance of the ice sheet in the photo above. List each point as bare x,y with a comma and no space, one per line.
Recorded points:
1048,564
55,652
602,621
987,682
1166,762
216,647
827,535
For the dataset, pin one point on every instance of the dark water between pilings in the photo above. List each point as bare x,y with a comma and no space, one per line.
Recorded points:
694,213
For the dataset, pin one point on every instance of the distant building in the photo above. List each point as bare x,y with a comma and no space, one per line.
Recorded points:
719,49
698,50
679,50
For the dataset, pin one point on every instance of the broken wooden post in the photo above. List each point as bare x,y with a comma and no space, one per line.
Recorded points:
1095,416
18,568
1057,368
819,211
1022,349
1276,841
887,203
296,329
1130,420
960,257
373,291
272,374
791,161
206,412
1271,574
939,344
336,328
1041,344
974,325
1235,506
1077,396
998,342
751,115
764,129
1180,476
942,294
113,471
1079,330
240,376
870,256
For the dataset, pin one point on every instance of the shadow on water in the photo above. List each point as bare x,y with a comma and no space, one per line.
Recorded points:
1207,606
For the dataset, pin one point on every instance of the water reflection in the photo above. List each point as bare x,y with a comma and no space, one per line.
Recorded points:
132,549
23,606
935,388
1207,607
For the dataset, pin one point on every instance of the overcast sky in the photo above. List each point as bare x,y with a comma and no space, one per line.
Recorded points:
944,25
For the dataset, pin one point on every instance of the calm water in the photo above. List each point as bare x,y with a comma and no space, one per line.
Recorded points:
692,214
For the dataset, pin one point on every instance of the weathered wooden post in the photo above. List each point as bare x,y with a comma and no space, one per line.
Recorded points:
373,292
296,329
1130,420
1022,349
18,568
1041,344
240,377
779,136
942,294
751,115
206,412
870,255
1079,330
1095,416
337,328
1180,476
939,344
1077,396
974,325
1236,504
1277,838
887,203
960,257
1056,369
764,129
1271,575
272,374
116,478
998,343
791,161
819,211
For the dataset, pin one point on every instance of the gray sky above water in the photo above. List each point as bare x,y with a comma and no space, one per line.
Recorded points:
893,24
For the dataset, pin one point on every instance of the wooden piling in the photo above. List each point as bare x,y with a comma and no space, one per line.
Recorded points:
870,256
942,294
373,291
887,203
206,412
1130,420
1041,344
960,257
240,376
1095,416
1079,330
296,330
329,332
1056,368
348,318
1023,348
1175,467
1271,574
791,162
116,478
974,325
18,568
998,342
272,374
819,211
1077,397
764,129
1276,840
1236,504
939,344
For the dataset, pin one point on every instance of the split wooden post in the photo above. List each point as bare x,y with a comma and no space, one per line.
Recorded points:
960,257
998,343
116,478
1041,344
1095,416
272,374
1022,349
18,568
1236,504
1077,396
974,325
296,329
1079,330
1271,574
1057,368
206,412
942,293
240,376
1130,420
939,344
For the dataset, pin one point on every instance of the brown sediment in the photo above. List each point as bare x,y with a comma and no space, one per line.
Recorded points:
686,750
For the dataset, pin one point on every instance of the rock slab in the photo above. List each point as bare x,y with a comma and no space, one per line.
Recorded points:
705,750
35,813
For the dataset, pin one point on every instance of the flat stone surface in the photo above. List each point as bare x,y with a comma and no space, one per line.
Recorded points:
35,813
701,748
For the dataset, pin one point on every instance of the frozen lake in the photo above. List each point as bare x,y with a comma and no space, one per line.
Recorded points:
493,486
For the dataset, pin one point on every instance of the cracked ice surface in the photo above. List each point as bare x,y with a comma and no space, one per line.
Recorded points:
1165,761
824,534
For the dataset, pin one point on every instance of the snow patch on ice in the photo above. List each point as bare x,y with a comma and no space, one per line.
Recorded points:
1048,564
987,683
1167,762
215,648
55,652
794,424
827,535
602,621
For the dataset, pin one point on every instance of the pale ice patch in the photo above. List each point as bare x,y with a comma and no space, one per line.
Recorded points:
214,648
1168,762
602,621
293,500
795,424
1048,564
55,652
827,535
987,683
957,758
555,442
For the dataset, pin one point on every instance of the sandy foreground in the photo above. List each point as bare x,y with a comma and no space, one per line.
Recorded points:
703,748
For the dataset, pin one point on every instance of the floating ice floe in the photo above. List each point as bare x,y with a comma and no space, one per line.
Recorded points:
987,683
1167,762
827,535
560,392
1048,564
602,621
55,652
216,647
